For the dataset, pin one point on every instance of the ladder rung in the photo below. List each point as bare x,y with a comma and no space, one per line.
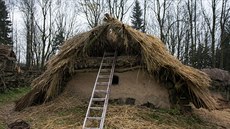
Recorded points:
106,64
101,91
96,108
94,118
103,83
106,70
104,76
109,58
98,99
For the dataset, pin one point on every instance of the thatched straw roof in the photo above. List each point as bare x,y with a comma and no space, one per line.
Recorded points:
114,34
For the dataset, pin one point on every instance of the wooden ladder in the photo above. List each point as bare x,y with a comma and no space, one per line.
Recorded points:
96,112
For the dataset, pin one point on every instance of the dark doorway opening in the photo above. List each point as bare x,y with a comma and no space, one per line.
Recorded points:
115,80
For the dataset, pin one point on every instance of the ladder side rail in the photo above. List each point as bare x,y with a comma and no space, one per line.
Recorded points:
104,112
113,66
95,84
107,95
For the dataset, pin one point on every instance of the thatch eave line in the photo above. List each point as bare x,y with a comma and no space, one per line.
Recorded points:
154,55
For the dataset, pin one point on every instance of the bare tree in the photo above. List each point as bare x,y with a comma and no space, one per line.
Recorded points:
179,28
28,9
160,8
93,10
144,19
65,24
45,28
118,8
224,16
52,16
213,31
191,10
211,23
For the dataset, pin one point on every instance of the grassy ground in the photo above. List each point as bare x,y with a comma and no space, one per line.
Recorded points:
12,95
68,112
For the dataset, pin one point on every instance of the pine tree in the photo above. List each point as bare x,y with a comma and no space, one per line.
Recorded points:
5,25
136,20
58,40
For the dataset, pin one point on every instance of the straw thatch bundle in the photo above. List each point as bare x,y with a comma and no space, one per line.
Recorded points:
127,41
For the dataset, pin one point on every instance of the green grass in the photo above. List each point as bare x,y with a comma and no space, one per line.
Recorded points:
12,95
2,126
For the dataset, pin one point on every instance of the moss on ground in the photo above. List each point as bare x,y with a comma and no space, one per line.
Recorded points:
13,94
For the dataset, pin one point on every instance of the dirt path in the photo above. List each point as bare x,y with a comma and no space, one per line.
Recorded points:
5,112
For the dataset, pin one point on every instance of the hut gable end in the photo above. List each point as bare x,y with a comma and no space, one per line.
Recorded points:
114,35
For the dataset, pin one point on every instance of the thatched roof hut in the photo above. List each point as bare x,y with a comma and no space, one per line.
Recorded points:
111,35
